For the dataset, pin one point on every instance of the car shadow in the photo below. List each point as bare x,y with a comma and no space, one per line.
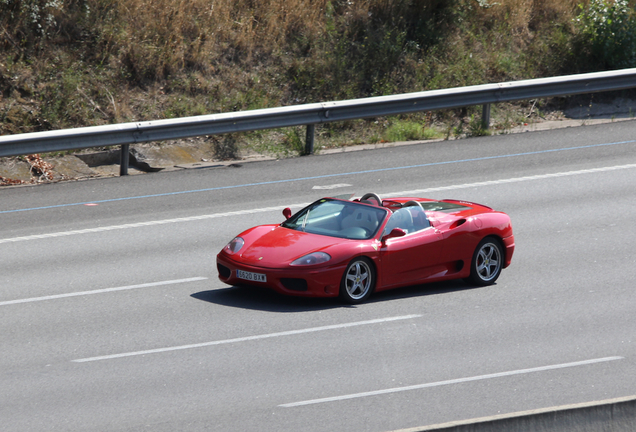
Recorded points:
428,289
263,299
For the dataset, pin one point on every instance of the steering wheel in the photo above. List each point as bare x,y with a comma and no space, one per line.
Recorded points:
372,195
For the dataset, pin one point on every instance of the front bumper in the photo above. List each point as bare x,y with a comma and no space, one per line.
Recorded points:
302,281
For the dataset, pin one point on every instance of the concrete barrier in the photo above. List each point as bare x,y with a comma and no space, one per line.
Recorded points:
611,415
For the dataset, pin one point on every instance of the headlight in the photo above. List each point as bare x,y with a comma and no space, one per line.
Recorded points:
311,259
234,246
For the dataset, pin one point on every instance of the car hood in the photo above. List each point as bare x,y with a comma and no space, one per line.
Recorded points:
280,246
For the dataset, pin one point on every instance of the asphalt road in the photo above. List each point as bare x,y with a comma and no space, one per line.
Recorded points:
112,317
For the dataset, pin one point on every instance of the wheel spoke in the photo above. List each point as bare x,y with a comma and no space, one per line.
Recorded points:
356,269
352,287
488,251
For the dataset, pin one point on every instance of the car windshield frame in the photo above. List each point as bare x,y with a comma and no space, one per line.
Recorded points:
339,218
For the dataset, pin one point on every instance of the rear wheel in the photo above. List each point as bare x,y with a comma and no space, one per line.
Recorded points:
358,281
487,262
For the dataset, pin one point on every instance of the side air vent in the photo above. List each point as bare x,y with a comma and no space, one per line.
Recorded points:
458,223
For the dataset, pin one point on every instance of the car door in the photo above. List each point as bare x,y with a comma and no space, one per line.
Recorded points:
413,257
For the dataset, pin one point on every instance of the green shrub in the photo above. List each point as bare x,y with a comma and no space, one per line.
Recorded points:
403,130
476,127
28,19
607,35
365,46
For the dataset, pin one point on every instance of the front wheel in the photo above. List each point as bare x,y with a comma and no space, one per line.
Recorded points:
487,262
358,281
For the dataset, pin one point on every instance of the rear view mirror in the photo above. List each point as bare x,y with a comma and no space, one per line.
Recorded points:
287,213
395,232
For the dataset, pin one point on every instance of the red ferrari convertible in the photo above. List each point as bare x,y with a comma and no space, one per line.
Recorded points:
337,247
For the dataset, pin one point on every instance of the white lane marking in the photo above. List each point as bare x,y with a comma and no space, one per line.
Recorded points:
448,382
248,338
278,208
101,291
512,180
334,186
145,224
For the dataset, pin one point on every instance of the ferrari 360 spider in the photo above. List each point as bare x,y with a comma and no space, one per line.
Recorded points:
351,248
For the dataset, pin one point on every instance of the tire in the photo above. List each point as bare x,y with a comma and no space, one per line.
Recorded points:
358,281
487,262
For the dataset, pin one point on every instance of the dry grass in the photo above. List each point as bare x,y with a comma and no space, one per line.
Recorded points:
523,17
162,37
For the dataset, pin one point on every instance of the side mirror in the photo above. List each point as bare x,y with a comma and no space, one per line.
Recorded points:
395,232
287,213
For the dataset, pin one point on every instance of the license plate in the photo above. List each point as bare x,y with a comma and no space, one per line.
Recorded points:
254,277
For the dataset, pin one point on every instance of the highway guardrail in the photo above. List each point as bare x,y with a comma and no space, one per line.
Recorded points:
309,115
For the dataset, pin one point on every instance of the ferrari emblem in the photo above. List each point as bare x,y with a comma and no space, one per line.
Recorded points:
260,258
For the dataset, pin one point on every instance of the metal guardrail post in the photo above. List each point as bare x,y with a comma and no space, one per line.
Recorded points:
309,140
485,116
123,159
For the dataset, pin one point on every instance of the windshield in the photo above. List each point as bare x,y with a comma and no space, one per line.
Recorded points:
336,218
